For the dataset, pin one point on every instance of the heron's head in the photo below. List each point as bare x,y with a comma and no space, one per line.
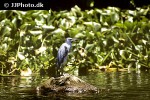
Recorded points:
69,39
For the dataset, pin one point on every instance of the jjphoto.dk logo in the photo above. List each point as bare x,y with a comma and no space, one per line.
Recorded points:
16,5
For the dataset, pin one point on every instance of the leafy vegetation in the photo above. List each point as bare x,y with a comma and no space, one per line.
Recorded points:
119,38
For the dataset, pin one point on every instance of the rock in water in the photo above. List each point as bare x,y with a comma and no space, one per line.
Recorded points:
66,83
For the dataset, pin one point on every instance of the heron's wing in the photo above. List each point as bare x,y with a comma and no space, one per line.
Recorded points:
62,54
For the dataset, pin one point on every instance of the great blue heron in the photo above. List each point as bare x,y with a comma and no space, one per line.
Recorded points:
62,55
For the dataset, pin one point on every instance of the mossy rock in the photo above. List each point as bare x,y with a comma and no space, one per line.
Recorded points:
66,83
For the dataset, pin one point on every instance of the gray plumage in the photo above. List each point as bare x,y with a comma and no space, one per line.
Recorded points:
62,55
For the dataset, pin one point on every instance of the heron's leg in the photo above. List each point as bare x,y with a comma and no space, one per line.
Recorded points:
61,71
57,72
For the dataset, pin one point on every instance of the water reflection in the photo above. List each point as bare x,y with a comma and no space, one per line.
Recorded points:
122,84
113,85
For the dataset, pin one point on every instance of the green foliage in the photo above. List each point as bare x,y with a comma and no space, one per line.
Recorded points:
32,37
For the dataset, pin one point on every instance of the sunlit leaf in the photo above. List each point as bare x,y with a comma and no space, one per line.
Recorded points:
144,41
40,50
122,54
132,12
120,25
36,32
48,27
115,40
21,56
80,35
104,29
59,30
89,47
11,60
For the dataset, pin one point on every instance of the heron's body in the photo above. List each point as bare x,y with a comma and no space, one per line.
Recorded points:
62,55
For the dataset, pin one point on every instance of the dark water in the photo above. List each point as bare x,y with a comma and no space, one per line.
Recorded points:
113,86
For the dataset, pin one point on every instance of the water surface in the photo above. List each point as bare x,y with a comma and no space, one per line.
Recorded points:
112,85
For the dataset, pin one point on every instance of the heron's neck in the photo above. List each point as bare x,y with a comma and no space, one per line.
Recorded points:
69,43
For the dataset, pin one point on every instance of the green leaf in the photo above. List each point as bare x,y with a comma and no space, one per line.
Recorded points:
36,32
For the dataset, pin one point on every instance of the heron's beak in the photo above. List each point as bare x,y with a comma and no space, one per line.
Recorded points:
74,39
